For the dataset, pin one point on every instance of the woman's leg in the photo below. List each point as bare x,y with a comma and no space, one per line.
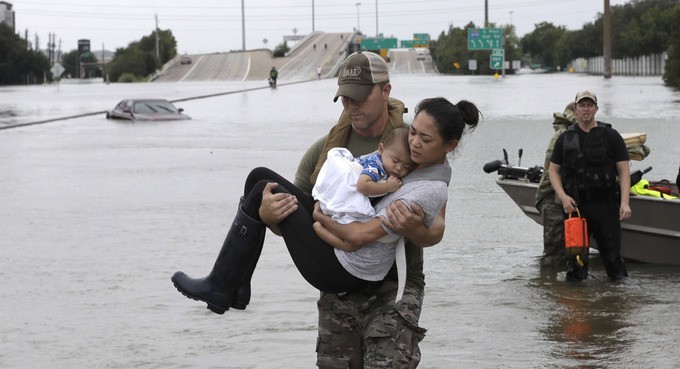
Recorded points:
228,284
264,174
314,258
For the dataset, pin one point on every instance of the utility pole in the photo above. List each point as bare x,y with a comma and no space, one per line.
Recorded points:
486,13
607,36
157,52
243,24
377,34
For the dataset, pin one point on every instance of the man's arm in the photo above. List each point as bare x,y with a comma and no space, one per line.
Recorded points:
355,235
624,185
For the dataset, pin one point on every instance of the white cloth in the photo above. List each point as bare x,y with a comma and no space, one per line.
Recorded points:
336,189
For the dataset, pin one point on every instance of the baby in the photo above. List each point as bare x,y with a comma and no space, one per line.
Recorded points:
345,184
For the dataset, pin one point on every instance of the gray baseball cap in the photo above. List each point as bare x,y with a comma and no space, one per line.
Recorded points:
359,73
586,95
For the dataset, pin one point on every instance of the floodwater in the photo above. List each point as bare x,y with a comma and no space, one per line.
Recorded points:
96,215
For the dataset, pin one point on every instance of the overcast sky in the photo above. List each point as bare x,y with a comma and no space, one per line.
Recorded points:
206,26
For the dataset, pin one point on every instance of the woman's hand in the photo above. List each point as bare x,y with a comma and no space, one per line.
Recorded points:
410,224
402,220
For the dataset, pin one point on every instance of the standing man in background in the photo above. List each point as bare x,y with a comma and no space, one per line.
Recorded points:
584,167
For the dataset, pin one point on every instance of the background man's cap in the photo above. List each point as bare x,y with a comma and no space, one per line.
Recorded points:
359,72
586,95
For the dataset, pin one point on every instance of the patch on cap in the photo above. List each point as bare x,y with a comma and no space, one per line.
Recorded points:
586,95
359,73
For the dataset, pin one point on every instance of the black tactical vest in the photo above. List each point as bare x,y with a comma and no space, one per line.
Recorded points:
588,166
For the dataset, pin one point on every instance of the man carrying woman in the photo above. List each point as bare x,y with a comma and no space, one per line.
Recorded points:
360,324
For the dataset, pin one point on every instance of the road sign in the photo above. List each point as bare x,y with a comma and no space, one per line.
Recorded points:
57,70
378,43
485,38
496,62
424,37
472,64
498,52
410,44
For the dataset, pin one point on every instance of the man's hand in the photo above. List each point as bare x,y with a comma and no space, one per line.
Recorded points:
568,204
624,211
275,207
402,220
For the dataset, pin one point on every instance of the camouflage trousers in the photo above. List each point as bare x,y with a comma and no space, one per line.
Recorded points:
552,215
366,329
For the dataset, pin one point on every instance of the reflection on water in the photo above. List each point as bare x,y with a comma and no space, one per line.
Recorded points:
587,321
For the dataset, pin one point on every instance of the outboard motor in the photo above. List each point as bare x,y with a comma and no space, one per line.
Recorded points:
509,171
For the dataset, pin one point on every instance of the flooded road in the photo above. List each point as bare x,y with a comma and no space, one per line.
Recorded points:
96,215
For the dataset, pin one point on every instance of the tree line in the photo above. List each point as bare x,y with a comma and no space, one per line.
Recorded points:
638,28
19,64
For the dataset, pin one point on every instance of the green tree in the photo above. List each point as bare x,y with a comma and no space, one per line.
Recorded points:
139,57
18,65
541,44
451,49
70,63
511,43
281,49
671,76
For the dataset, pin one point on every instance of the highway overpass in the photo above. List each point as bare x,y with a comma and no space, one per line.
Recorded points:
318,49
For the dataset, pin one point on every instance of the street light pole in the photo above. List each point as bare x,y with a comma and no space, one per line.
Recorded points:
312,15
358,25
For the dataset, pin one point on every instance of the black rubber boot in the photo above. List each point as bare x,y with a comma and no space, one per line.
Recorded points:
238,254
242,295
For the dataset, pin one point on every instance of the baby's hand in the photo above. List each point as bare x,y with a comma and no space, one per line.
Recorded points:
392,184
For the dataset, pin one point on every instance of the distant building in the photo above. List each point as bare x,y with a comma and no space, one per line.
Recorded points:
7,14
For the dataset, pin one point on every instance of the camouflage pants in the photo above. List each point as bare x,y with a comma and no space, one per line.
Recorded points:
552,215
366,329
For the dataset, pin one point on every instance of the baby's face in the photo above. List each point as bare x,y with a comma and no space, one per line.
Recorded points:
397,160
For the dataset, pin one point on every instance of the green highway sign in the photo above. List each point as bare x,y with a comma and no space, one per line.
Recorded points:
410,44
378,43
485,38
424,37
496,62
